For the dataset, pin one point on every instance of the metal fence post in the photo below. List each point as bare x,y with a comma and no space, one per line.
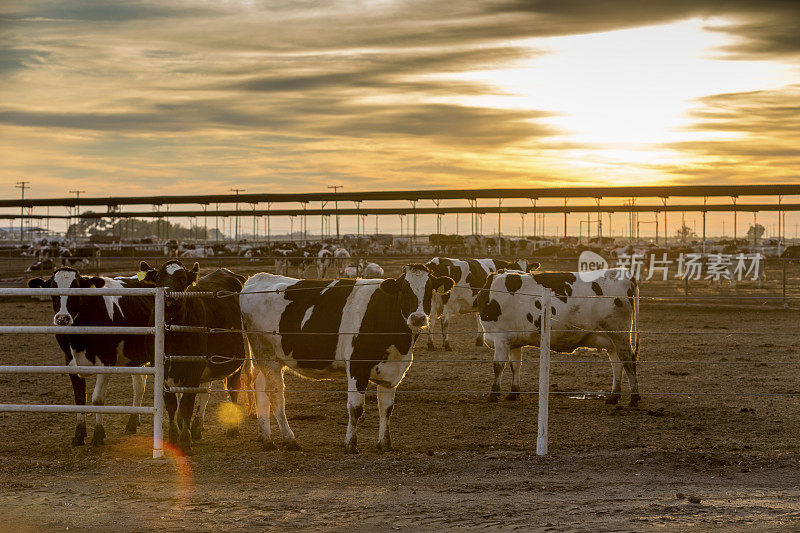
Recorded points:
783,263
158,378
544,373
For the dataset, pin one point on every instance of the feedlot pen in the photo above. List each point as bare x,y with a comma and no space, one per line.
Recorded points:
718,422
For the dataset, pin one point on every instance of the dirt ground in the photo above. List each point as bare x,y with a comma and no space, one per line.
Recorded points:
678,460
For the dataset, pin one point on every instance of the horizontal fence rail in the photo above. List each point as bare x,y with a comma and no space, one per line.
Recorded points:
79,330
157,370
128,370
100,409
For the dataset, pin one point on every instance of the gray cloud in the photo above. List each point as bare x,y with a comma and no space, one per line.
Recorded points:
15,59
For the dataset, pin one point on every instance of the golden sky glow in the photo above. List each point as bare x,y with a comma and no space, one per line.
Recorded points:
171,97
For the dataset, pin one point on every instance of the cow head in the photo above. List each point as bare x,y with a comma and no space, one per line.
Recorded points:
172,275
66,308
415,288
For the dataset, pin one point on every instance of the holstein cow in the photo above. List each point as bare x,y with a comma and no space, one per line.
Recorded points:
323,262
591,310
363,329
369,270
469,275
340,257
100,350
225,352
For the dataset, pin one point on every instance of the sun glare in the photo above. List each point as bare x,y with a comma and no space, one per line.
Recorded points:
626,92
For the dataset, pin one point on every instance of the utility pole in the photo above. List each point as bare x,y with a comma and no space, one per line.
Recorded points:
336,205
237,191
22,185
77,206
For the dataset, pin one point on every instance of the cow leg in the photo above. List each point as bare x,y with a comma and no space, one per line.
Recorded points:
629,365
262,408
445,331
431,346
516,363
171,405
198,421
436,312
604,343
79,391
355,408
630,371
479,338
233,384
277,401
500,359
185,411
139,382
98,398
385,406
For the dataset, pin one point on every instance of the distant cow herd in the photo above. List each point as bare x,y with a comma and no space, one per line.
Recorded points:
361,325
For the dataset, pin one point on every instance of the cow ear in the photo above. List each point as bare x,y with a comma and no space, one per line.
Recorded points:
443,284
390,286
193,273
36,283
144,267
533,266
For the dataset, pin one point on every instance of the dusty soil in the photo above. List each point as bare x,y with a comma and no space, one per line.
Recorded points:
460,462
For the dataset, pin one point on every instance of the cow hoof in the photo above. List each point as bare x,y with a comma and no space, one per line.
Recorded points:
478,342
292,446
431,347
174,434
384,447
613,399
267,445
512,397
80,435
232,433
350,449
447,347
494,396
133,424
99,436
635,400
196,430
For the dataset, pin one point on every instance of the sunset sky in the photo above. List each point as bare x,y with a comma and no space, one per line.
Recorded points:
173,97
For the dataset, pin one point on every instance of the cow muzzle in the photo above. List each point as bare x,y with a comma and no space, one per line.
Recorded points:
62,320
417,320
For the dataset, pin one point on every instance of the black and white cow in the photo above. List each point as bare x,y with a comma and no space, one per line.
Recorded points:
100,350
589,310
369,270
469,275
225,352
324,258
363,329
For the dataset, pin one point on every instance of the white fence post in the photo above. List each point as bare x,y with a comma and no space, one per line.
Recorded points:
544,373
158,379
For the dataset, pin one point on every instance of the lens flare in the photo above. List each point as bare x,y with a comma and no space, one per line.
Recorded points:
230,414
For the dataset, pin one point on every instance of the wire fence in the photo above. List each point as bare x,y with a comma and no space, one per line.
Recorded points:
531,333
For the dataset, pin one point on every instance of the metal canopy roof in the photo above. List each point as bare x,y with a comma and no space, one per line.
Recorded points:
434,194
429,211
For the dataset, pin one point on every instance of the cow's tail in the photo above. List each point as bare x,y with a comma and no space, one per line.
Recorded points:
248,379
635,321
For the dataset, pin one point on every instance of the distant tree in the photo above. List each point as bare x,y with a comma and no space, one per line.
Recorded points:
685,233
135,228
755,232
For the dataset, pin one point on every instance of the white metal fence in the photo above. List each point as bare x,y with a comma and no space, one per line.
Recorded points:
157,370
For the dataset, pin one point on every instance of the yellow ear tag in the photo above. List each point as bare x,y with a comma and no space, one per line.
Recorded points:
92,286
440,290
141,275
